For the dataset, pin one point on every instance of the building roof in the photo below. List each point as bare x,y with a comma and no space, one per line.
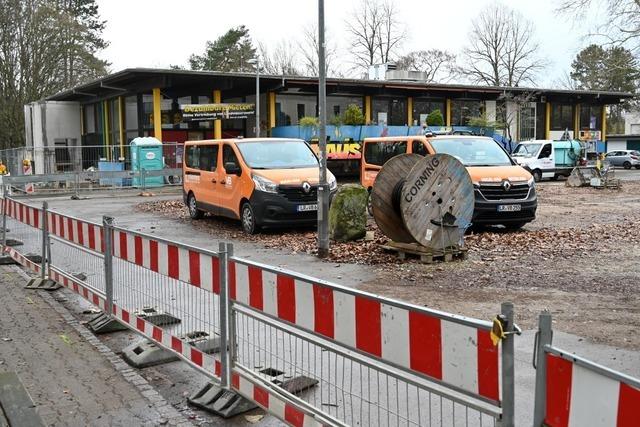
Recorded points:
136,80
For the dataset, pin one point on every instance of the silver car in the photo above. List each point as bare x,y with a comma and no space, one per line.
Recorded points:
625,158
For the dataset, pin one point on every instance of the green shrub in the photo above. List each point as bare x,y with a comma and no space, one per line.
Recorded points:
336,120
435,118
309,121
353,116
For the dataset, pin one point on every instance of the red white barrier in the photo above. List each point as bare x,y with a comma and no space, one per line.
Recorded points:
82,233
24,213
458,354
22,260
578,396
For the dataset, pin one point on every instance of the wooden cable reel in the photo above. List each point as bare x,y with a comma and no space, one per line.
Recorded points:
428,200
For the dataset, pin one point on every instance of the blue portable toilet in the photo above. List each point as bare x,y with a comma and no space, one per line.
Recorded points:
146,153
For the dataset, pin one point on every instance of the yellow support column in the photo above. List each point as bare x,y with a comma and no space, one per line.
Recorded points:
448,113
105,128
547,122
271,109
121,124
576,122
604,123
217,124
410,111
367,109
157,114
81,121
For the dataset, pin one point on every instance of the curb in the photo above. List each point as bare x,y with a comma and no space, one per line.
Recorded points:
164,408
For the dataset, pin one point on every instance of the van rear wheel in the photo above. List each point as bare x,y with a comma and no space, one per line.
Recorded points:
248,218
194,212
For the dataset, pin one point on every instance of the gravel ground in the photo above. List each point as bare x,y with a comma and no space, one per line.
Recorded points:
580,259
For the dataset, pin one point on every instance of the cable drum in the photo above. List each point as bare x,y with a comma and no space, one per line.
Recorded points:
428,200
387,216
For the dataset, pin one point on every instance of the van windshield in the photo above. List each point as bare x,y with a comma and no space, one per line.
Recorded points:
527,150
472,151
277,154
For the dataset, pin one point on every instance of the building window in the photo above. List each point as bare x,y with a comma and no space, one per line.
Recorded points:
389,111
590,117
464,110
528,122
561,117
422,107
300,111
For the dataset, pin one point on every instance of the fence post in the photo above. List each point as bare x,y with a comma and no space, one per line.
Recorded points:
508,368
4,221
225,373
107,223
231,319
543,337
143,178
45,237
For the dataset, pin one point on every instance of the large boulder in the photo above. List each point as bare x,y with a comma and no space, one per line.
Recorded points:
348,213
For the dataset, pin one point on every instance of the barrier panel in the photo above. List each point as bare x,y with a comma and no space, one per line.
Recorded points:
572,391
367,360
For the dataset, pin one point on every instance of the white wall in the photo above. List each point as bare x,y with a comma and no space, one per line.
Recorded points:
616,145
557,134
51,121
490,108
631,122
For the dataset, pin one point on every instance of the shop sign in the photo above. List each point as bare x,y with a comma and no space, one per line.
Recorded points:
203,112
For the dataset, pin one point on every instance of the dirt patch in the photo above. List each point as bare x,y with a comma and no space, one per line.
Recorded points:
580,259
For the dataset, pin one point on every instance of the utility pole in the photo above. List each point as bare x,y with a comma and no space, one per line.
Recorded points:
256,61
323,188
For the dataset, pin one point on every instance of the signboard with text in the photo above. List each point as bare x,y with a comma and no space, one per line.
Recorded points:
203,112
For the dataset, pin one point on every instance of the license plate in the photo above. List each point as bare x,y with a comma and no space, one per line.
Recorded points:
306,208
509,208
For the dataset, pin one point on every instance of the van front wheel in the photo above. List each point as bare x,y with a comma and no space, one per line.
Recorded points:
248,218
194,212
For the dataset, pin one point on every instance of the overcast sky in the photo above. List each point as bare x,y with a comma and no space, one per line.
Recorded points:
157,33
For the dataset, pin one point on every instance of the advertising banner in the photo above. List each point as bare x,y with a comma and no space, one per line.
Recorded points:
202,112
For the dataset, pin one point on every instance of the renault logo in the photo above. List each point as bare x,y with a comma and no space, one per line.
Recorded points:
306,187
506,185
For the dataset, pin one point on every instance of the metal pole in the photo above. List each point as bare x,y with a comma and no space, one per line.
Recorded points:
43,262
258,97
231,322
508,370
4,221
107,224
323,189
225,373
143,178
544,337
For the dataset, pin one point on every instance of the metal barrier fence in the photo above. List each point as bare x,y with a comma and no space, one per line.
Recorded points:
572,391
90,181
374,361
63,158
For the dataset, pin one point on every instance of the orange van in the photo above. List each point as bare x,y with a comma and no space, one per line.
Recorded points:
504,192
260,181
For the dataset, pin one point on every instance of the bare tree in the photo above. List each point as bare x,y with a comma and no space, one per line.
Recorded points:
439,66
308,48
621,23
375,33
281,60
501,49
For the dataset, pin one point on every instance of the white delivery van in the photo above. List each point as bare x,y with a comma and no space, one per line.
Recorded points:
547,158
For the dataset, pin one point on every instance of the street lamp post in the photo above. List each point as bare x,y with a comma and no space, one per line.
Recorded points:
256,61
323,188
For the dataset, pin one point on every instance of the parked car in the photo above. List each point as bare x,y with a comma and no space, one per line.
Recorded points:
261,182
625,158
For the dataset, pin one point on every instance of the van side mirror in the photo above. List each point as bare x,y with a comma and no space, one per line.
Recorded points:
232,168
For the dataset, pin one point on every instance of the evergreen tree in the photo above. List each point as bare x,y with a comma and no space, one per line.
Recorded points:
227,53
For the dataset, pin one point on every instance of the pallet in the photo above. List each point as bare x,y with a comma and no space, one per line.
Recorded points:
426,255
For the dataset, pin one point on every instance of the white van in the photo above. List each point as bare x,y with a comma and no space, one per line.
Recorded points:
548,159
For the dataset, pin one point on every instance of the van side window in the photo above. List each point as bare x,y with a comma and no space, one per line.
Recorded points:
377,153
193,156
545,152
208,157
229,156
417,147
